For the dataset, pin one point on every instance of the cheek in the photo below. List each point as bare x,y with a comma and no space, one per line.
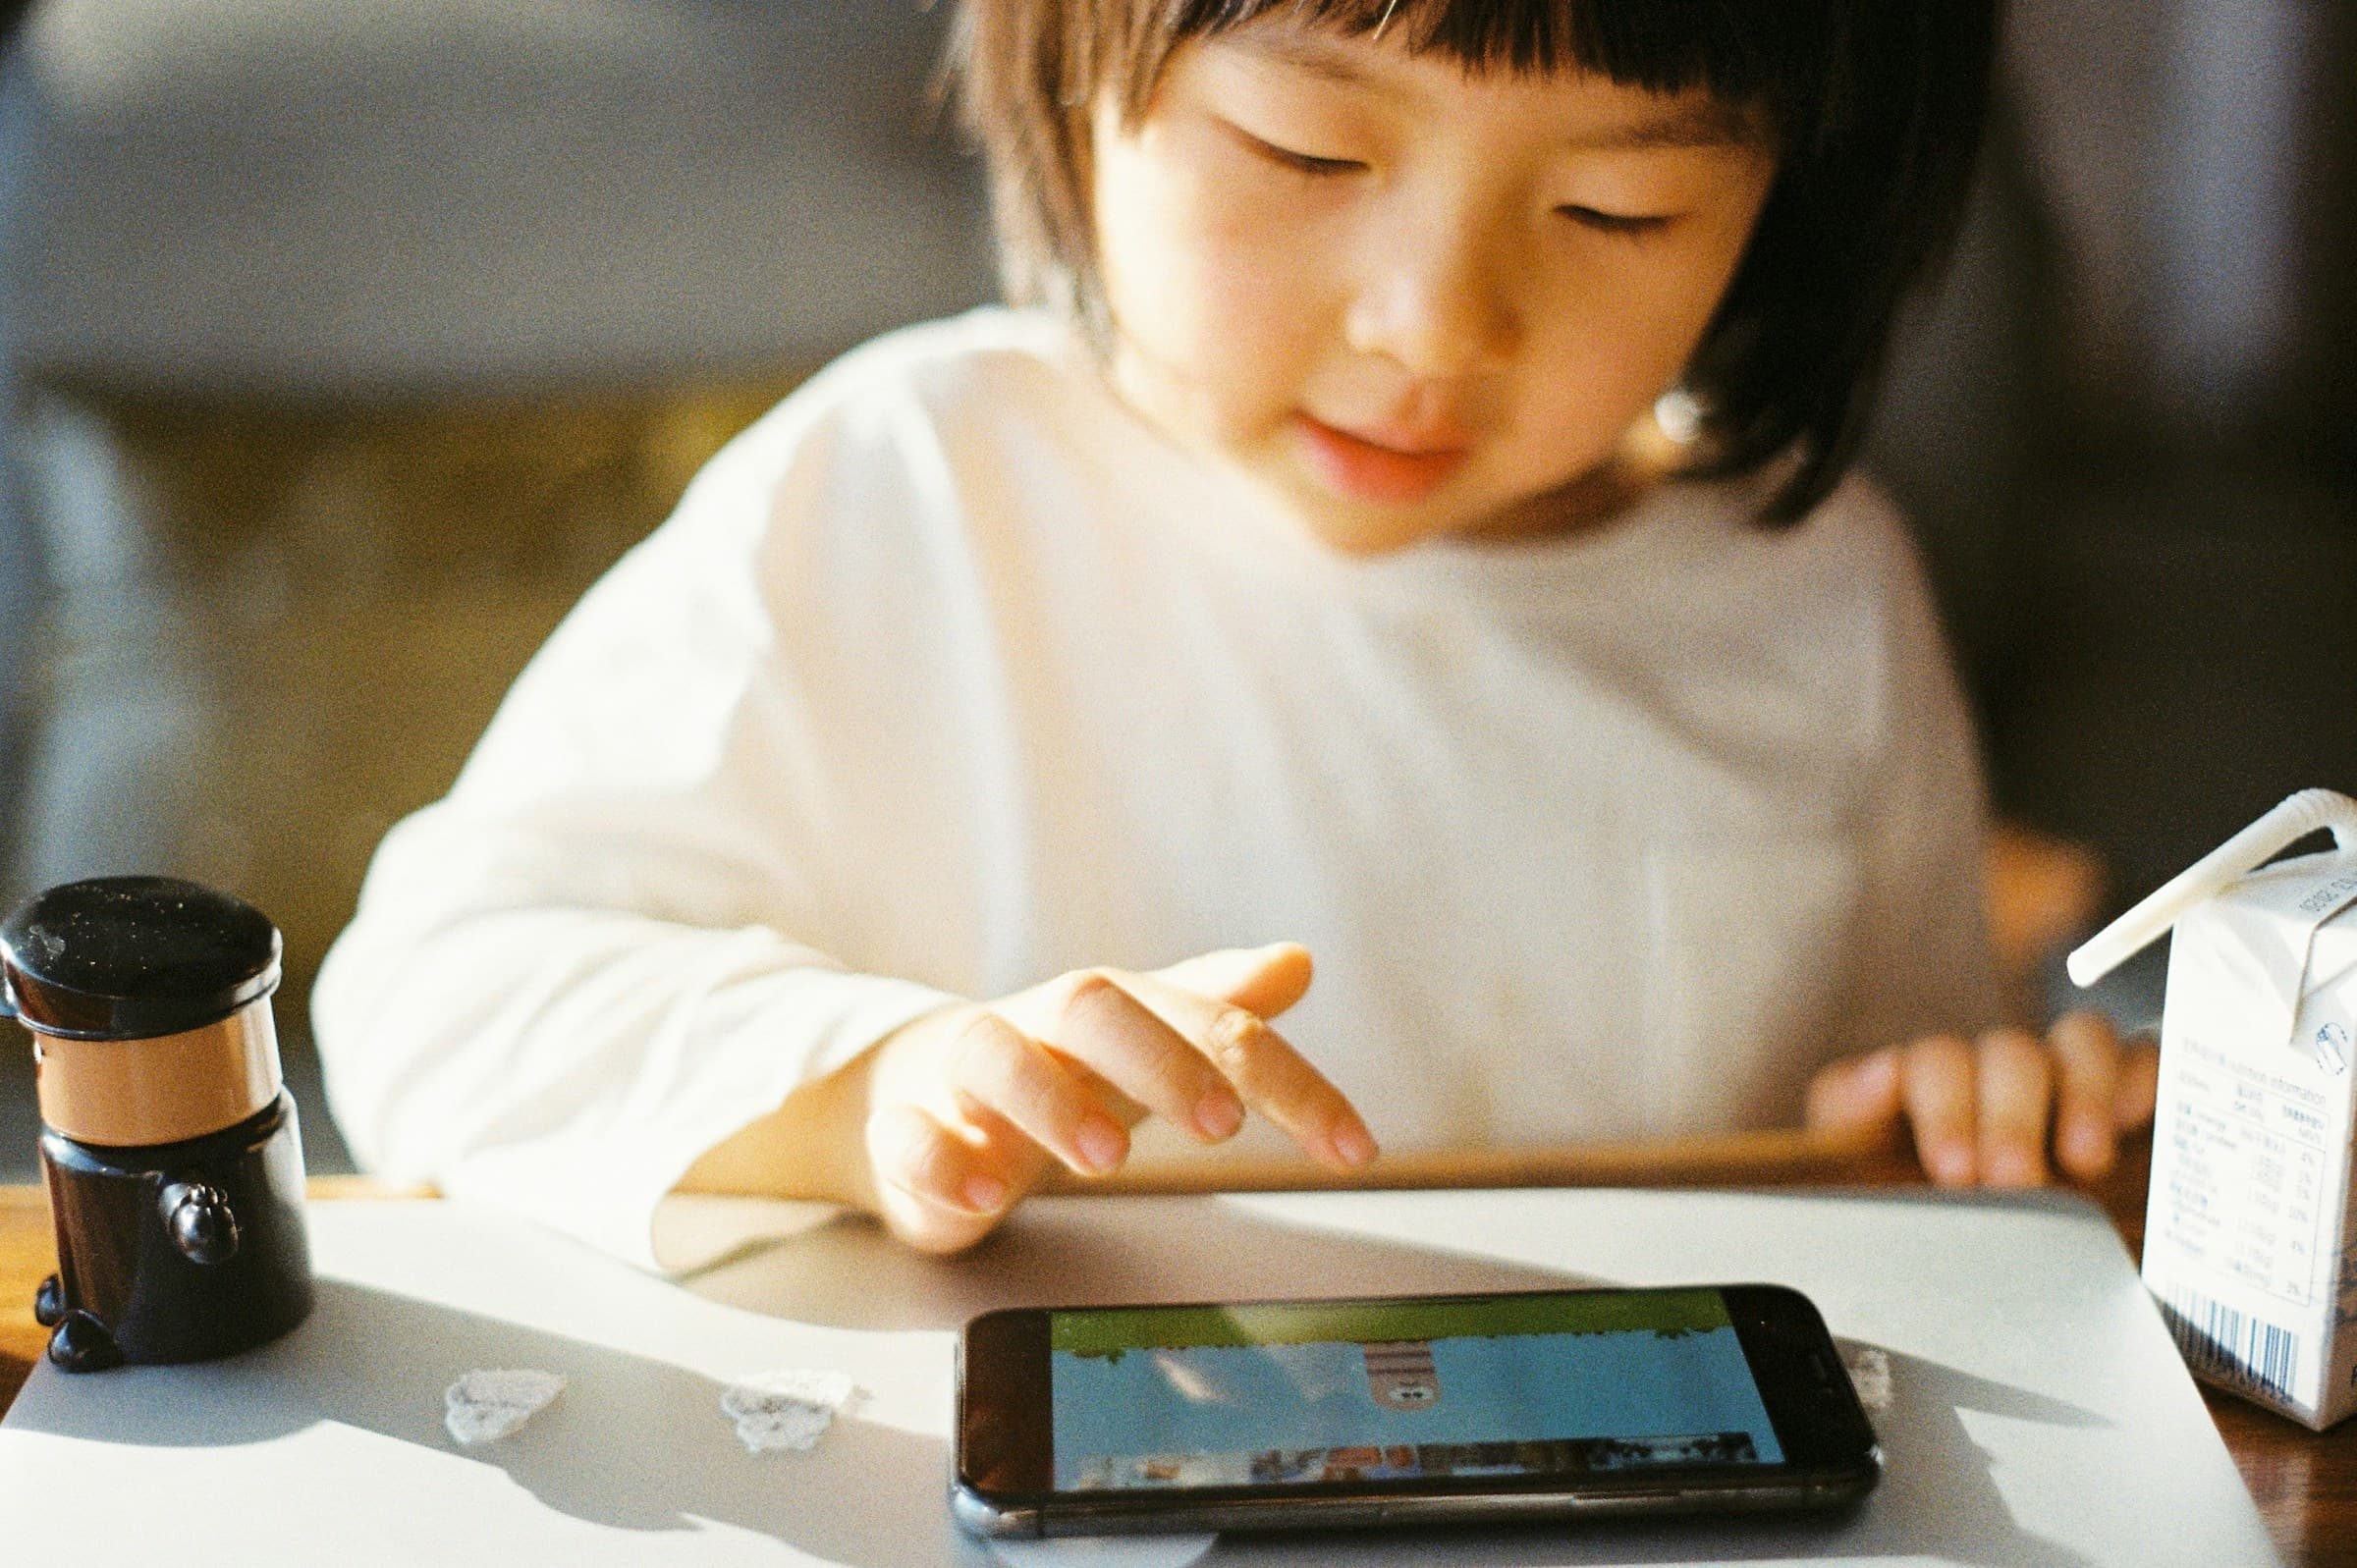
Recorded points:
1670,315
1621,332
1209,284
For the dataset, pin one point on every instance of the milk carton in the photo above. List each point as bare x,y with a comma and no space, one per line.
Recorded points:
2249,1245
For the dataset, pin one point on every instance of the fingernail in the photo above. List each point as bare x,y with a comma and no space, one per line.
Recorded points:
1220,1113
1100,1145
985,1195
1351,1142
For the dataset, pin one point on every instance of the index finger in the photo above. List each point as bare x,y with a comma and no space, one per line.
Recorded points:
1269,1074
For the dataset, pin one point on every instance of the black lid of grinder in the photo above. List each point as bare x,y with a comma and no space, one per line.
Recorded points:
130,957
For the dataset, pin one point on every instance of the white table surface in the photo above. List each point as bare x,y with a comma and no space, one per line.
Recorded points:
2040,1415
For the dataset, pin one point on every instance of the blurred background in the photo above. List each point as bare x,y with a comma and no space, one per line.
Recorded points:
343,345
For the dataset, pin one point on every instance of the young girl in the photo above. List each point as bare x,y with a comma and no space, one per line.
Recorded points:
967,773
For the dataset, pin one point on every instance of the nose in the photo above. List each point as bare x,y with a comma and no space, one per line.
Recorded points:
1434,297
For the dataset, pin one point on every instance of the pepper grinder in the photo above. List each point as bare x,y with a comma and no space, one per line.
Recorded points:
168,1139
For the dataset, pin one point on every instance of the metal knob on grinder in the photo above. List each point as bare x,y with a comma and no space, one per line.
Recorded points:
169,1143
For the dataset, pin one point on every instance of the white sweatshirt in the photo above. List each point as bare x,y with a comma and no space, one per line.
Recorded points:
952,674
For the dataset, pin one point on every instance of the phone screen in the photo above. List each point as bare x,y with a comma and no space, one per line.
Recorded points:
1306,1393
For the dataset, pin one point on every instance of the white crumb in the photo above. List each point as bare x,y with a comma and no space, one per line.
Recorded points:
485,1406
789,1408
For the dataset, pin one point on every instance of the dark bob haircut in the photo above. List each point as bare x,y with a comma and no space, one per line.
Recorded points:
1875,106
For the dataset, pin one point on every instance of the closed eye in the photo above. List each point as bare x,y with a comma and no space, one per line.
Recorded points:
1627,224
1299,162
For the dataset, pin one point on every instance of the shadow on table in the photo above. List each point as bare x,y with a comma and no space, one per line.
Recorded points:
638,1445
1094,1251
1937,1499
633,1443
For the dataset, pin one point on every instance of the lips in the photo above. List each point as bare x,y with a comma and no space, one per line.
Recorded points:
1380,466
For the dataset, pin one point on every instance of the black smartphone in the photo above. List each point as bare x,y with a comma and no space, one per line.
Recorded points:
1526,1405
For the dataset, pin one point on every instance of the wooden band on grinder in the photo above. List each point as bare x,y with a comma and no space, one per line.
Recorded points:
129,1094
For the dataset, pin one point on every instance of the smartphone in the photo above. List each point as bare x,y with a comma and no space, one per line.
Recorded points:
1426,1409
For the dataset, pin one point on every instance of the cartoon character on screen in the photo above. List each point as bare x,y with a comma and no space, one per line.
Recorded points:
1401,1374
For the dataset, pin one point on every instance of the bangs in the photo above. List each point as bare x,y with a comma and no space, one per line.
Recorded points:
1745,54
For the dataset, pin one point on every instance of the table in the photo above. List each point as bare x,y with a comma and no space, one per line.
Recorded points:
2305,1484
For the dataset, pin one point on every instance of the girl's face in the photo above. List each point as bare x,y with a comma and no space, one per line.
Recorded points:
1405,299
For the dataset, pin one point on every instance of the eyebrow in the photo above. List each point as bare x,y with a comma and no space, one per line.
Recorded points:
1695,122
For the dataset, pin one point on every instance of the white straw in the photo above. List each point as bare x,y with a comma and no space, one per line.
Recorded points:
2297,817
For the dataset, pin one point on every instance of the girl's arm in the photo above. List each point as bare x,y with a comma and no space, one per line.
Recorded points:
628,944
615,941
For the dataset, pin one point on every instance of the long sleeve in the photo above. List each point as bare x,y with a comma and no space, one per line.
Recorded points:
952,675
604,951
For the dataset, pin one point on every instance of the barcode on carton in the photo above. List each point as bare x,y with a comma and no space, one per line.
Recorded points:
2232,1346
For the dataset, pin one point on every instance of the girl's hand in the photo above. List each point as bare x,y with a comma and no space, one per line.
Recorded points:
967,1108
1981,1112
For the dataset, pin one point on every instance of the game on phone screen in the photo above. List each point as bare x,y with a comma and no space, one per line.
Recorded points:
1296,1394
